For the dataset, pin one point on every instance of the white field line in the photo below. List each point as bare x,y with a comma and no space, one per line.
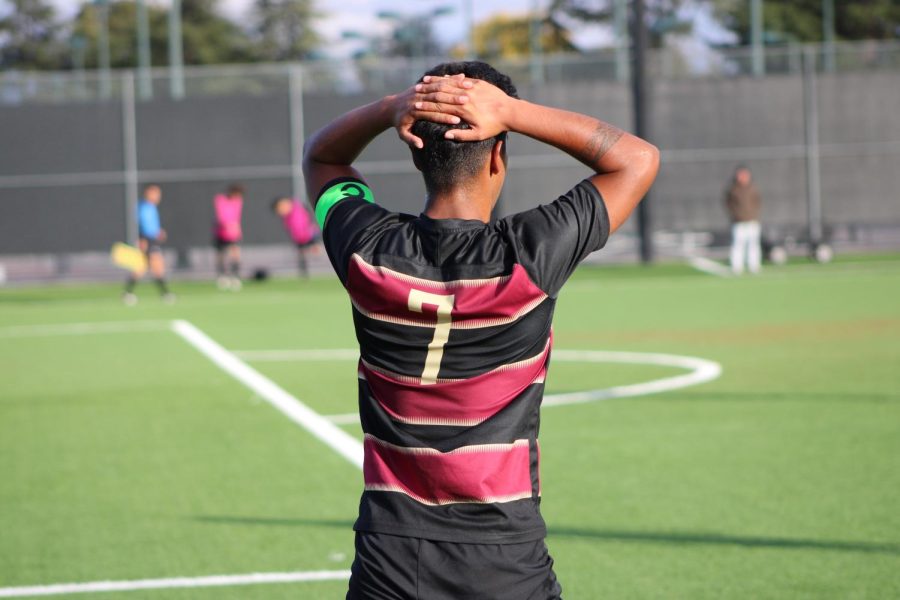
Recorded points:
174,582
17,331
709,266
700,370
339,440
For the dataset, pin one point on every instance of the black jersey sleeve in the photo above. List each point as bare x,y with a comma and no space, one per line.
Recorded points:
553,239
347,215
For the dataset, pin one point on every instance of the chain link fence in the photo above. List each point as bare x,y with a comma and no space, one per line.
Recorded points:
823,144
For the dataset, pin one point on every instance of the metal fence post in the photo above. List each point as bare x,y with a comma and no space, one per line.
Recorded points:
811,129
756,37
129,157
620,18
295,114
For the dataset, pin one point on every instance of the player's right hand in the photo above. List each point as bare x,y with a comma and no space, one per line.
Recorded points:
488,110
435,99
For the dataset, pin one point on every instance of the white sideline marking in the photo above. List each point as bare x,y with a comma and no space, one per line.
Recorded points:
708,266
701,371
338,439
15,331
175,582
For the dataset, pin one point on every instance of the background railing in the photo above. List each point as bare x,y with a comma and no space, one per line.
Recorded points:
820,141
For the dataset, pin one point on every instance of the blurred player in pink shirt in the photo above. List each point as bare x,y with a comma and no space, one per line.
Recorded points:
227,236
299,225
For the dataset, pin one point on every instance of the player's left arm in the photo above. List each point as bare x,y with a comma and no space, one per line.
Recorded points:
329,154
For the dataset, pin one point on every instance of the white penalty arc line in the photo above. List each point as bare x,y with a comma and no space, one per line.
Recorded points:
701,370
59,589
337,439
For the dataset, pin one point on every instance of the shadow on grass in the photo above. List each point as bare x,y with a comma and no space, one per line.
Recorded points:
675,538
670,538
788,396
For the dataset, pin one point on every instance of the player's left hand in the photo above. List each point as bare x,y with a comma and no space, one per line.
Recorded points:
431,100
162,235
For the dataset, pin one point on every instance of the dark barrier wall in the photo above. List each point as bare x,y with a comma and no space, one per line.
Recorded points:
63,186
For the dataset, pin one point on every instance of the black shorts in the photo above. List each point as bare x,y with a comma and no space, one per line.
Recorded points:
389,567
221,244
152,246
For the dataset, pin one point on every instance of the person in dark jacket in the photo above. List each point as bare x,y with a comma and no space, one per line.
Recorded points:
743,203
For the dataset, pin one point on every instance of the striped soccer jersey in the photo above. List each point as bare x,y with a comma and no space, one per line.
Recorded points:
453,319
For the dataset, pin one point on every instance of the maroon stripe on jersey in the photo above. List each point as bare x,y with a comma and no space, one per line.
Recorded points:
460,402
382,293
484,474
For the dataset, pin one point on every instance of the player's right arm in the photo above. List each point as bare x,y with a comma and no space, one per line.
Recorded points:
624,165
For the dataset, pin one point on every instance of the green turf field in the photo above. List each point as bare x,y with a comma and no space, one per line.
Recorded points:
126,454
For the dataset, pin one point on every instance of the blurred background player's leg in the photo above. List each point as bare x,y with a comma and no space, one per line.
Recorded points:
158,270
234,267
301,261
738,248
754,249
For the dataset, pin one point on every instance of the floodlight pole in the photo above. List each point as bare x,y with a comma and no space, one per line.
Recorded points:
828,33
620,20
537,51
811,131
641,122
103,60
176,59
145,87
756,37
468,13
129,158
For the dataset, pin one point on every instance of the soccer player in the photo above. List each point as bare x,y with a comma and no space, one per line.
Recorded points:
299,225
227,236
151,236
453,317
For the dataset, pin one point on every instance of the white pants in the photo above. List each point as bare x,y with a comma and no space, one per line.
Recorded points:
745,247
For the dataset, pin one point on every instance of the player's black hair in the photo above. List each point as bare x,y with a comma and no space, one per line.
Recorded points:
235,189
444,163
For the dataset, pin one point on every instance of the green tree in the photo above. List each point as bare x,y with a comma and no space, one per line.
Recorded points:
505,36
208,38
29,36
122,33
801,20
284,29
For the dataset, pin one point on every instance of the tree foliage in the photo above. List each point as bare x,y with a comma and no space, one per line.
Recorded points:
29,35
506,36
284,29
801,20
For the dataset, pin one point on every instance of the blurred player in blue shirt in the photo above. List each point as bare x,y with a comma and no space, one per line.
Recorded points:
151,236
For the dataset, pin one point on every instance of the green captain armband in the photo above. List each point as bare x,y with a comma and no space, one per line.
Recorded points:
342,190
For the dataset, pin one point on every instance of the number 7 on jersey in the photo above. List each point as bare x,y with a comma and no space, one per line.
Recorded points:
444,304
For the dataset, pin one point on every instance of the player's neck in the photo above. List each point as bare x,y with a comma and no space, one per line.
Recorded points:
459,203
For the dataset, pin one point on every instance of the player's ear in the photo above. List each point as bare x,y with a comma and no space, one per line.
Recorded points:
498,157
